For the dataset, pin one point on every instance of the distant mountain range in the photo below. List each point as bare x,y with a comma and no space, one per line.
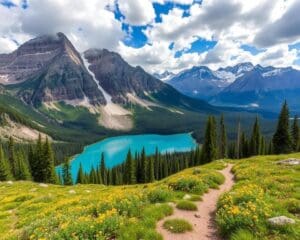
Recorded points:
243,85
97,91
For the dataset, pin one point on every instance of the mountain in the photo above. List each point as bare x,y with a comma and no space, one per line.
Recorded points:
164,76
202,82
47,69
242,85
53,88
263,87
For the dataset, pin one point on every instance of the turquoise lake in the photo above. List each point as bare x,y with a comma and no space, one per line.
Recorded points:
115,149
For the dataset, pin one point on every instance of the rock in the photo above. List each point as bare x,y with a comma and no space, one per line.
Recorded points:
43,185
33,190
72,191
196,215
290,161
187,197
281,220
10,182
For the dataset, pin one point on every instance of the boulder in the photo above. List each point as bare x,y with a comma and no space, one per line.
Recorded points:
281,221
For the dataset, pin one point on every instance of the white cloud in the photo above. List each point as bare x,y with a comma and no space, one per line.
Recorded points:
232,23
86,23
137,12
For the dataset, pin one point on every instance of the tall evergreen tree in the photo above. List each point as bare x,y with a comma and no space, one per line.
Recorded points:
22,171
295,134
209,149
282,140
11,156
5,172
103,170
143,166
93,176
255,142
80,175
49,174
223,139
130,171
238,140
66,172
150,174
36,160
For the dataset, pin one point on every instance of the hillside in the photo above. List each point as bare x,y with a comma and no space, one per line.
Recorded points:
263,189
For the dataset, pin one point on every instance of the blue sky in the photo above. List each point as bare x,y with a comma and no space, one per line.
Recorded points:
164,34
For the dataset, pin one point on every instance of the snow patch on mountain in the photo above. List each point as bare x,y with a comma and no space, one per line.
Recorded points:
105,94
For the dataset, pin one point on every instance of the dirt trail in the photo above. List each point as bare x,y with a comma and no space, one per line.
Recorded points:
203,226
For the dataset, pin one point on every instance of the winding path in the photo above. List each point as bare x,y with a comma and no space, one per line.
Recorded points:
203,225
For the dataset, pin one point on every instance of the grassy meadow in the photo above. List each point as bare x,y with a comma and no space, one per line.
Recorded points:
263,189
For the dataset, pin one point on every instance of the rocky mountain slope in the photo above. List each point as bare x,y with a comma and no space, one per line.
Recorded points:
97,91
243,85
202,82
46,69
264,87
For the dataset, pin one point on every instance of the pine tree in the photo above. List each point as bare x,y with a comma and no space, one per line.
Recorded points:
103,170
11,156
150,174
80,175
295,134
209,150
282,140
223,139
238,140
67,176
5,173
21,168
93,176
49,175
143,166
130,171
255,142
36,161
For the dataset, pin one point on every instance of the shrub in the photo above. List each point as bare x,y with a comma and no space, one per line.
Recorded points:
177,226
195,198
189,185
159,195
186,205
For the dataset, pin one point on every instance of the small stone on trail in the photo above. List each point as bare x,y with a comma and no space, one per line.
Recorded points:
281,220
197,215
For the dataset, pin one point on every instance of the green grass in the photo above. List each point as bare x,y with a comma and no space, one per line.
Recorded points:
28,210
177,226
263,190
186,205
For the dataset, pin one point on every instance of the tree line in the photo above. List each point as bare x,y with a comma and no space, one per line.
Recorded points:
38,165
139,168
